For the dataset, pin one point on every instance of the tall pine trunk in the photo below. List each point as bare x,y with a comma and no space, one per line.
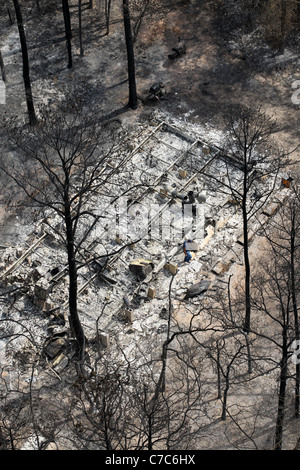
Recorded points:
282,26
26,73
80,27
75,323
2,68
67,21
295,309
107,14
246,250
247,275
133,100
282,393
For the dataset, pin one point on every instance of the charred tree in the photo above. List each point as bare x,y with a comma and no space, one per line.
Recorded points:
80,27
133,99
61,164
282,387
250,153
107,14
26,71
273,301
283,235
283,28
54,171
68,30
2,68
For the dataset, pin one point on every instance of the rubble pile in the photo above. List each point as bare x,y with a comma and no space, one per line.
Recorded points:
126,294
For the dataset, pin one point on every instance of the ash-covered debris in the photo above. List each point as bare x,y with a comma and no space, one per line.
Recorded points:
126,295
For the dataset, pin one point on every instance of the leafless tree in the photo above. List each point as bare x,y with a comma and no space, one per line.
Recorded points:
68,30
252,157
80,27
18,396
133,100
283,235
273,302
26,71
62,163
107,8
3,74
121,406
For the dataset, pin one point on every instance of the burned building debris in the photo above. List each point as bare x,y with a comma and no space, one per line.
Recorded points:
176,215
157,92
178,50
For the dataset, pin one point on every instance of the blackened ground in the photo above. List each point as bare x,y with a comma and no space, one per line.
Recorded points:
216,70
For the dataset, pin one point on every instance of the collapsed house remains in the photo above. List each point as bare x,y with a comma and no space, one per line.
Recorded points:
128,291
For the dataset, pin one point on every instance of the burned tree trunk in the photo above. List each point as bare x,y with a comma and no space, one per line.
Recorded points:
75,323
67,21
2,68
282,26
10,18
246,252
133,100
26,74
107,14
250,143
80,26
282,392
54,171
294,245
